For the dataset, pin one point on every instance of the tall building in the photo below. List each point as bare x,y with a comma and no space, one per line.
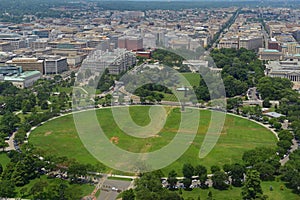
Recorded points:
5,46
55,65
67,44
228,43
28,64
42,33
251,43
131,43
116,61
273,44
39,44
15,40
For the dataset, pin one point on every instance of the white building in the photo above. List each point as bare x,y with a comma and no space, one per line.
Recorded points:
23,80
117,61
284,69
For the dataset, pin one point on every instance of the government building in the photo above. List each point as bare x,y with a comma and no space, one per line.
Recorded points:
289,69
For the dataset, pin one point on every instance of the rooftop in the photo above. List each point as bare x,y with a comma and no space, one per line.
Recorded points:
271,51
22,76
274,114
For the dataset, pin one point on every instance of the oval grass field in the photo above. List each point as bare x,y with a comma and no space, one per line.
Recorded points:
59,137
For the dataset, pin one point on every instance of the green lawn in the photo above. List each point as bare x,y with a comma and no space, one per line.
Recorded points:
85,188
65,89
234,193
59,137
119,179
277,194
4,159
169,97
193,78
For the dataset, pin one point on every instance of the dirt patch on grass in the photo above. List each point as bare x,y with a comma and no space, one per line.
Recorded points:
114,140
48,133
156,136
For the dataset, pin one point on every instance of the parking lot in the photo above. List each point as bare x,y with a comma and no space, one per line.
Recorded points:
112,188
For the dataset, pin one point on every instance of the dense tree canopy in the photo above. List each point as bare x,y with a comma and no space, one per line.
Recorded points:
252,188
149,187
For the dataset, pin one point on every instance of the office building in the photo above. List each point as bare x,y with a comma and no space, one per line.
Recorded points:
130,43
28,64
55,65
17,77
289,69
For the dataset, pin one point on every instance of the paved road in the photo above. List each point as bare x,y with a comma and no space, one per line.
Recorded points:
11,143
107,192
11,139
293,148
252,94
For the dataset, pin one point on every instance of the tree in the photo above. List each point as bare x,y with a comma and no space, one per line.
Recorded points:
234,103
237,174
277,125
8,171
215,169
172,180
252,188
187,183
26,169
7,188
32,99
75,170
284,144
188,170
233,86
9,122
38,189
148,186
291,171
266,103
72,75
201,172
209,196
23,191
227,168
26,106
220,180
3,144
73,192
42,95
44,105
128,195
285,135
265,170
258,155
265,119
20,136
